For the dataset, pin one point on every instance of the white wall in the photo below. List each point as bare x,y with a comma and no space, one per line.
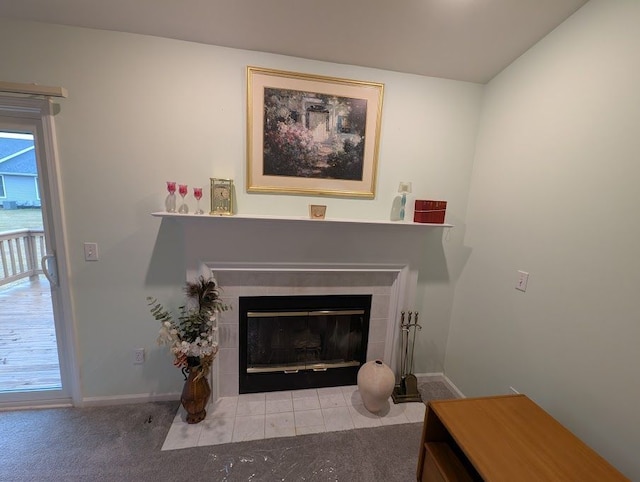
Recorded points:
555,193
144,110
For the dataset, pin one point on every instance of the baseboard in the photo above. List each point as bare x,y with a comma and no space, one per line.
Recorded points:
31,405
439,377
171,397
128,399
430,377
454,388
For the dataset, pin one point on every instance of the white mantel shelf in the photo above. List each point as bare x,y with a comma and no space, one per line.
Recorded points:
301,219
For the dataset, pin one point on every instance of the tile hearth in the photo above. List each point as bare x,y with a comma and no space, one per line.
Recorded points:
284,414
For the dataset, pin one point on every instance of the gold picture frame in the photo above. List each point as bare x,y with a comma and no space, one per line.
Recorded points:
221,197
311,134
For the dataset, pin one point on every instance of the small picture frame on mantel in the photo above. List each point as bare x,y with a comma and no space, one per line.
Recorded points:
317,211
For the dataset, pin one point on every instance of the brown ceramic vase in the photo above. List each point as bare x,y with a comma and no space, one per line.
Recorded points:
195,394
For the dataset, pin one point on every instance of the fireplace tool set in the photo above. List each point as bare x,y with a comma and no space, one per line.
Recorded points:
407,389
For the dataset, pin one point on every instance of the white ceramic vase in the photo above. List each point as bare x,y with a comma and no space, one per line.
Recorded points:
375,384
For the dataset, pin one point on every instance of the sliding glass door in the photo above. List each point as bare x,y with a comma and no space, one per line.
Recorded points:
35,356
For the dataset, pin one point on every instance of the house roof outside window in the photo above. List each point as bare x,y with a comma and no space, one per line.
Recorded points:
17,155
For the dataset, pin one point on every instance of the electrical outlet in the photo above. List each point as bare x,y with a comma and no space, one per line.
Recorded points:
91,251
523,279
138,356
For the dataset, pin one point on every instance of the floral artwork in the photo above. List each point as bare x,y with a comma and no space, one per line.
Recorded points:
311,134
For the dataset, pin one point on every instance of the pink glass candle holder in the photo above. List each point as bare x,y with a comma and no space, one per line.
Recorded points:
182,190
197,193
170,201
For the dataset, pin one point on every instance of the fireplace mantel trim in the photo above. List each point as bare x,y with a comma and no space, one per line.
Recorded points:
402,284
287,219
304,267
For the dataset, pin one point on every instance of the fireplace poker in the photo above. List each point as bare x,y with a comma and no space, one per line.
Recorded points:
406,346
413,344
404,332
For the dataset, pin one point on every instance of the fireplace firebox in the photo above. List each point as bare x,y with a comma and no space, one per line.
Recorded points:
308,341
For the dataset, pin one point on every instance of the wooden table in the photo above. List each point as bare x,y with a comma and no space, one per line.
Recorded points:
503,438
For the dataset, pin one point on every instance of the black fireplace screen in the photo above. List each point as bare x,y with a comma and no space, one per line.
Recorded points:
303,340
291,342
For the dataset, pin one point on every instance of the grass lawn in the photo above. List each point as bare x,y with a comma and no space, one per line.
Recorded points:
12,219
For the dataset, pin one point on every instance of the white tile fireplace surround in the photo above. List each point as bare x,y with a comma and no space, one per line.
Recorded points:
238,280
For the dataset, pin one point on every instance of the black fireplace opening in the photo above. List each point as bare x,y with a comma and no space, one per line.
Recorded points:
296,342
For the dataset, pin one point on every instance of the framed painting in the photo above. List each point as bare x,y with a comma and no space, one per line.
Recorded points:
310,134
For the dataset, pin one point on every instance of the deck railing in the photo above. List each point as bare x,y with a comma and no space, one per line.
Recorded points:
20,254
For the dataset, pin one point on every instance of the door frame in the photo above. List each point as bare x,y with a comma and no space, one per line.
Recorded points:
36,115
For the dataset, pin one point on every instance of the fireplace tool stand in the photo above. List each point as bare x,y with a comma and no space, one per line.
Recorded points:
407,389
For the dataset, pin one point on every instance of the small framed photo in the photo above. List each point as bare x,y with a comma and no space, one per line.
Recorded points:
317,211
221,196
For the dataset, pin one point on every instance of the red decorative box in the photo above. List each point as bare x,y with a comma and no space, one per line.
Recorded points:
429,211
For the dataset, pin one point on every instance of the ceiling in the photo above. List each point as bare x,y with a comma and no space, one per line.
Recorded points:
469,40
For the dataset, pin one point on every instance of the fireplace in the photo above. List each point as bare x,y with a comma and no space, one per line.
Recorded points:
254,255
304,341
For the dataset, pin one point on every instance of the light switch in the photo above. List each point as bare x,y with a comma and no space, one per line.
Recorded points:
523,278
91,251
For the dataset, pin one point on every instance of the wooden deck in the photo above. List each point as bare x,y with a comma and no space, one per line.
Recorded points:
28,350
